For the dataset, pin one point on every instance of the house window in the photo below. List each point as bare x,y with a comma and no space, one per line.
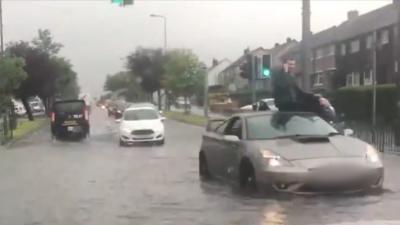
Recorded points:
368,78
331,50
318,80
355,46
343,49
319,53
369,40
384,37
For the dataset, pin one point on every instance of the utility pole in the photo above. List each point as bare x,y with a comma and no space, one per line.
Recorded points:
165,52
205,103
1,30
305,45
253,78
374,49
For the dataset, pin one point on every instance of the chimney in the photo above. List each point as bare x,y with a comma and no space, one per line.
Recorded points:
351,15
246,51
214,62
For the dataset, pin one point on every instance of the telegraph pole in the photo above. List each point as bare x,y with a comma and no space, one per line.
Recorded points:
1,30
253,78
374,49
305,45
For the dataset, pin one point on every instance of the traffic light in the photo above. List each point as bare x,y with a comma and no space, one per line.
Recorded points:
122,2
246,68
266,66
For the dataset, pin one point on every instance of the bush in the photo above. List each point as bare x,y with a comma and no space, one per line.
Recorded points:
356,103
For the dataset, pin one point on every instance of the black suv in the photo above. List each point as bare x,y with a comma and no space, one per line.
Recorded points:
70,119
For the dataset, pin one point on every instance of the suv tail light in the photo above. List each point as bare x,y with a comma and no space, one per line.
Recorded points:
53,117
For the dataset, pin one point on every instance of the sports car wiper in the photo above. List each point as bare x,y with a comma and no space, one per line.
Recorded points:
290,136
333,134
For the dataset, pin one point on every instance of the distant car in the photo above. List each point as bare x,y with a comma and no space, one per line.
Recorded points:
267,104
37,108
141,124
288,152
19,108
70,119
182,103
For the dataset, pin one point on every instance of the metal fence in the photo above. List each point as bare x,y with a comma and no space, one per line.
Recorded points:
385,139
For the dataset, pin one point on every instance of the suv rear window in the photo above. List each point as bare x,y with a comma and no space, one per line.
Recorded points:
69,107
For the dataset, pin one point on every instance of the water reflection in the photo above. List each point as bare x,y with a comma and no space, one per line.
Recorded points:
274,217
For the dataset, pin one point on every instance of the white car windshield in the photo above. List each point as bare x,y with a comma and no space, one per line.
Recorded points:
287,124
141,114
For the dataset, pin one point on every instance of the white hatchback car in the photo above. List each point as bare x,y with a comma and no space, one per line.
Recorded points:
141,124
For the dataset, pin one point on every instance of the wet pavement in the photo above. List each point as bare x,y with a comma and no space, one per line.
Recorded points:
97,182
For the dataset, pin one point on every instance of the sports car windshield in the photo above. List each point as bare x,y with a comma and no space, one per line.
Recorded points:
283,124
140,114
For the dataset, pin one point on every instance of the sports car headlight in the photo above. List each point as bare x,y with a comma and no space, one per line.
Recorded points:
273,159
371,154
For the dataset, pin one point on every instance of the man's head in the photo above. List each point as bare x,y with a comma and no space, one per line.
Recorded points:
289,65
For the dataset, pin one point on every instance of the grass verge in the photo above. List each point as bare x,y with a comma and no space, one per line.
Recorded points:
26,127
187,118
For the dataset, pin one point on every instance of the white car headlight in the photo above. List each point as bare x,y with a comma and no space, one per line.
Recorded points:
273,159
371,154
125,130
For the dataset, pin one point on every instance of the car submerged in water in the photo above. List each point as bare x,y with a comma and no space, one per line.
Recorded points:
70,119
288,152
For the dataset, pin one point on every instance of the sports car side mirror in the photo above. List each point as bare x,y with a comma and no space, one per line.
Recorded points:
162,119
232,138
348,132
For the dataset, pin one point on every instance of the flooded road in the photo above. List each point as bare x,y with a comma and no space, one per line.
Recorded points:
97,182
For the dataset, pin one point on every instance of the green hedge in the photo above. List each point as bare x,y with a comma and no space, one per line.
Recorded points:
356,103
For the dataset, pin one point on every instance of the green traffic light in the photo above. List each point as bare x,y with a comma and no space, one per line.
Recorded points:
266,72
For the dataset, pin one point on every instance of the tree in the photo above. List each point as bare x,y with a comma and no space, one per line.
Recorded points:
41,73
44,42
66,83
12,74
120,80
184,73
148,65
124,81
48,74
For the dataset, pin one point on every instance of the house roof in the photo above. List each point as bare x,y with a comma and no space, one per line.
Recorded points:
362,24
368,22
241,58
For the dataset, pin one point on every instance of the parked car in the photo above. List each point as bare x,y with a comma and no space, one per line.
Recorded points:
37,108
262,105
141,124
182,103
288,152
19,108
70,119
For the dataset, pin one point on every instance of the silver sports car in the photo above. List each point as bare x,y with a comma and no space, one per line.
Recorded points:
288,152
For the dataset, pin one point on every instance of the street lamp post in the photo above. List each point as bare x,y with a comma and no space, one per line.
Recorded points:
1,29
164,50
165,28
205,98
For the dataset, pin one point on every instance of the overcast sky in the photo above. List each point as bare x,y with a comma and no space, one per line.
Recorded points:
98,35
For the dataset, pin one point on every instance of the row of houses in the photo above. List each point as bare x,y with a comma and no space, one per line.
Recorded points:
341,55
